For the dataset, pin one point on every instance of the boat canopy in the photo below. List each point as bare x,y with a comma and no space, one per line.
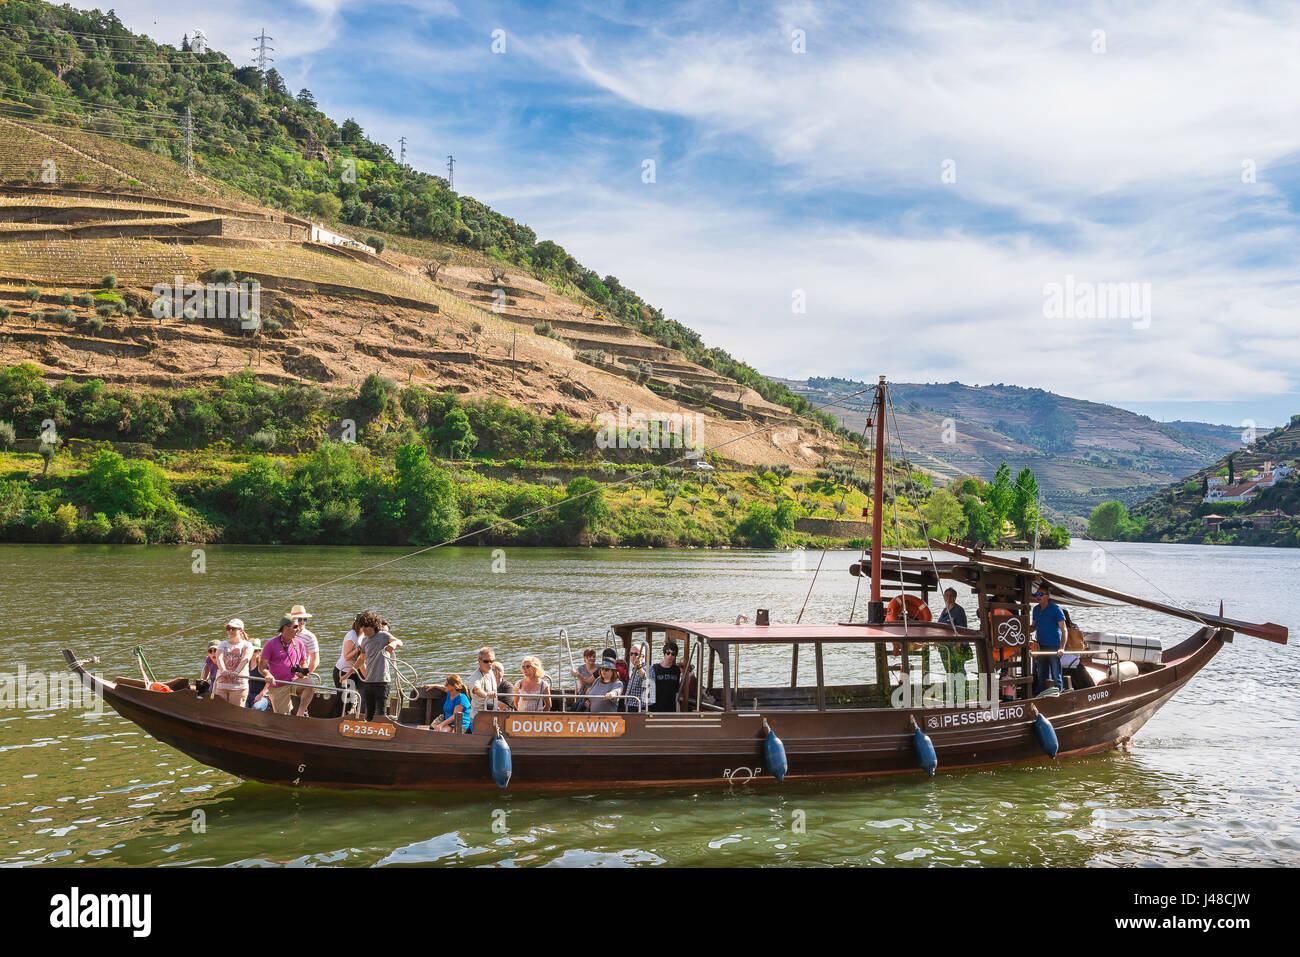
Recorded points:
805,634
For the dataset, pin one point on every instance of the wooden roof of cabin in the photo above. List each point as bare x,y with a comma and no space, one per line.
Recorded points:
789,634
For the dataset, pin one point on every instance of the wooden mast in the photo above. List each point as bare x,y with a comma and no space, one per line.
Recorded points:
876,607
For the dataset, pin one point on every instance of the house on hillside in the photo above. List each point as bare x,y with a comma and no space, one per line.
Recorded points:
1241,492
1272,474
1266,521
1212,522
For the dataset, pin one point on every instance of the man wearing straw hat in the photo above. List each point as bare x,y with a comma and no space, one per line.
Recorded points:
312,647
281,655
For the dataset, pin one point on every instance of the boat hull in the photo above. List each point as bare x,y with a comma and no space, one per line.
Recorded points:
651,750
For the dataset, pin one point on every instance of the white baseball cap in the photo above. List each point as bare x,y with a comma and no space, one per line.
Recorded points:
235,623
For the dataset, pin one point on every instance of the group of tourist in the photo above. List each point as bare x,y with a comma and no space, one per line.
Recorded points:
276,675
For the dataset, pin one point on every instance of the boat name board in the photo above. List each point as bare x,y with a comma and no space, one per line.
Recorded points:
961,719
367,729
567,727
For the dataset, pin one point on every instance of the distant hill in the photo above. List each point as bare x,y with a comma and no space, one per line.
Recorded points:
1083,452
1177,512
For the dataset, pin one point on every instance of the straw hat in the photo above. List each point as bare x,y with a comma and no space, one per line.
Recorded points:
298,611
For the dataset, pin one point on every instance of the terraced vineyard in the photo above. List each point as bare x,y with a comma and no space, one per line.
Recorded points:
82,159
78,262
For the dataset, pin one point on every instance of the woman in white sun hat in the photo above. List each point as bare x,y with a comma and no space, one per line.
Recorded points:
234,655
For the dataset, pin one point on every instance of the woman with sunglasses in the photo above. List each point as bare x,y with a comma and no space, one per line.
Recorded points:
533,693
234,656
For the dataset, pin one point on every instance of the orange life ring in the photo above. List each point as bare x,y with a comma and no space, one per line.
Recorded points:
159,686
917,610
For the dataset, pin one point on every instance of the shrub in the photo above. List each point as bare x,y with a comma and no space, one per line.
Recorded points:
223,275
543,329
97,528
36,315
127,530
65,521
263,439
66,316
85,300
95,323
130,311
5,312
271,325
377,243
375,392
65,297
7,435
106,310
109,281
32,293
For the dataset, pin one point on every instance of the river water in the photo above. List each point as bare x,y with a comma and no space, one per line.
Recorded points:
1212,779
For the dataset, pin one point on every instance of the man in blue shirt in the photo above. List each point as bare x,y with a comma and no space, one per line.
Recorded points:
1049,626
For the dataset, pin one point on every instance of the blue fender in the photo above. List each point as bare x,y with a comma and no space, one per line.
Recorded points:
925,754
1046,734
774,755
499,756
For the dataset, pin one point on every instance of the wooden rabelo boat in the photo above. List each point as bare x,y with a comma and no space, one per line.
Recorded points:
724,731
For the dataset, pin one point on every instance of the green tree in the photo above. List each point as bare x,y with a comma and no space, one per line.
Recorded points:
135,487
999,497
583,511
455,436
257,501
1024,503
1109,521
979,524
325,205
428,502
944,515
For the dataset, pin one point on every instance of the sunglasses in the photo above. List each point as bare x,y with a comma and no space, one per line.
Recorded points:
528,667
487,660
671,654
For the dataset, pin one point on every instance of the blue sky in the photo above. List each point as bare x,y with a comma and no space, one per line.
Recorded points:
1089,141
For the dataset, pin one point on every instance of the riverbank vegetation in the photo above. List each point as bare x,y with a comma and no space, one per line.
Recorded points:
241,461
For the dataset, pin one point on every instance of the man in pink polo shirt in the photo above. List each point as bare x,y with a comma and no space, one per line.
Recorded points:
280,655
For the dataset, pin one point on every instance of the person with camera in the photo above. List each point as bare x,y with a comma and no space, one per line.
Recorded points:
282,660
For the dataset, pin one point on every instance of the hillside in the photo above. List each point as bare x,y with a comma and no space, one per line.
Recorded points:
1268,516
478,307
1083,452
79,91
